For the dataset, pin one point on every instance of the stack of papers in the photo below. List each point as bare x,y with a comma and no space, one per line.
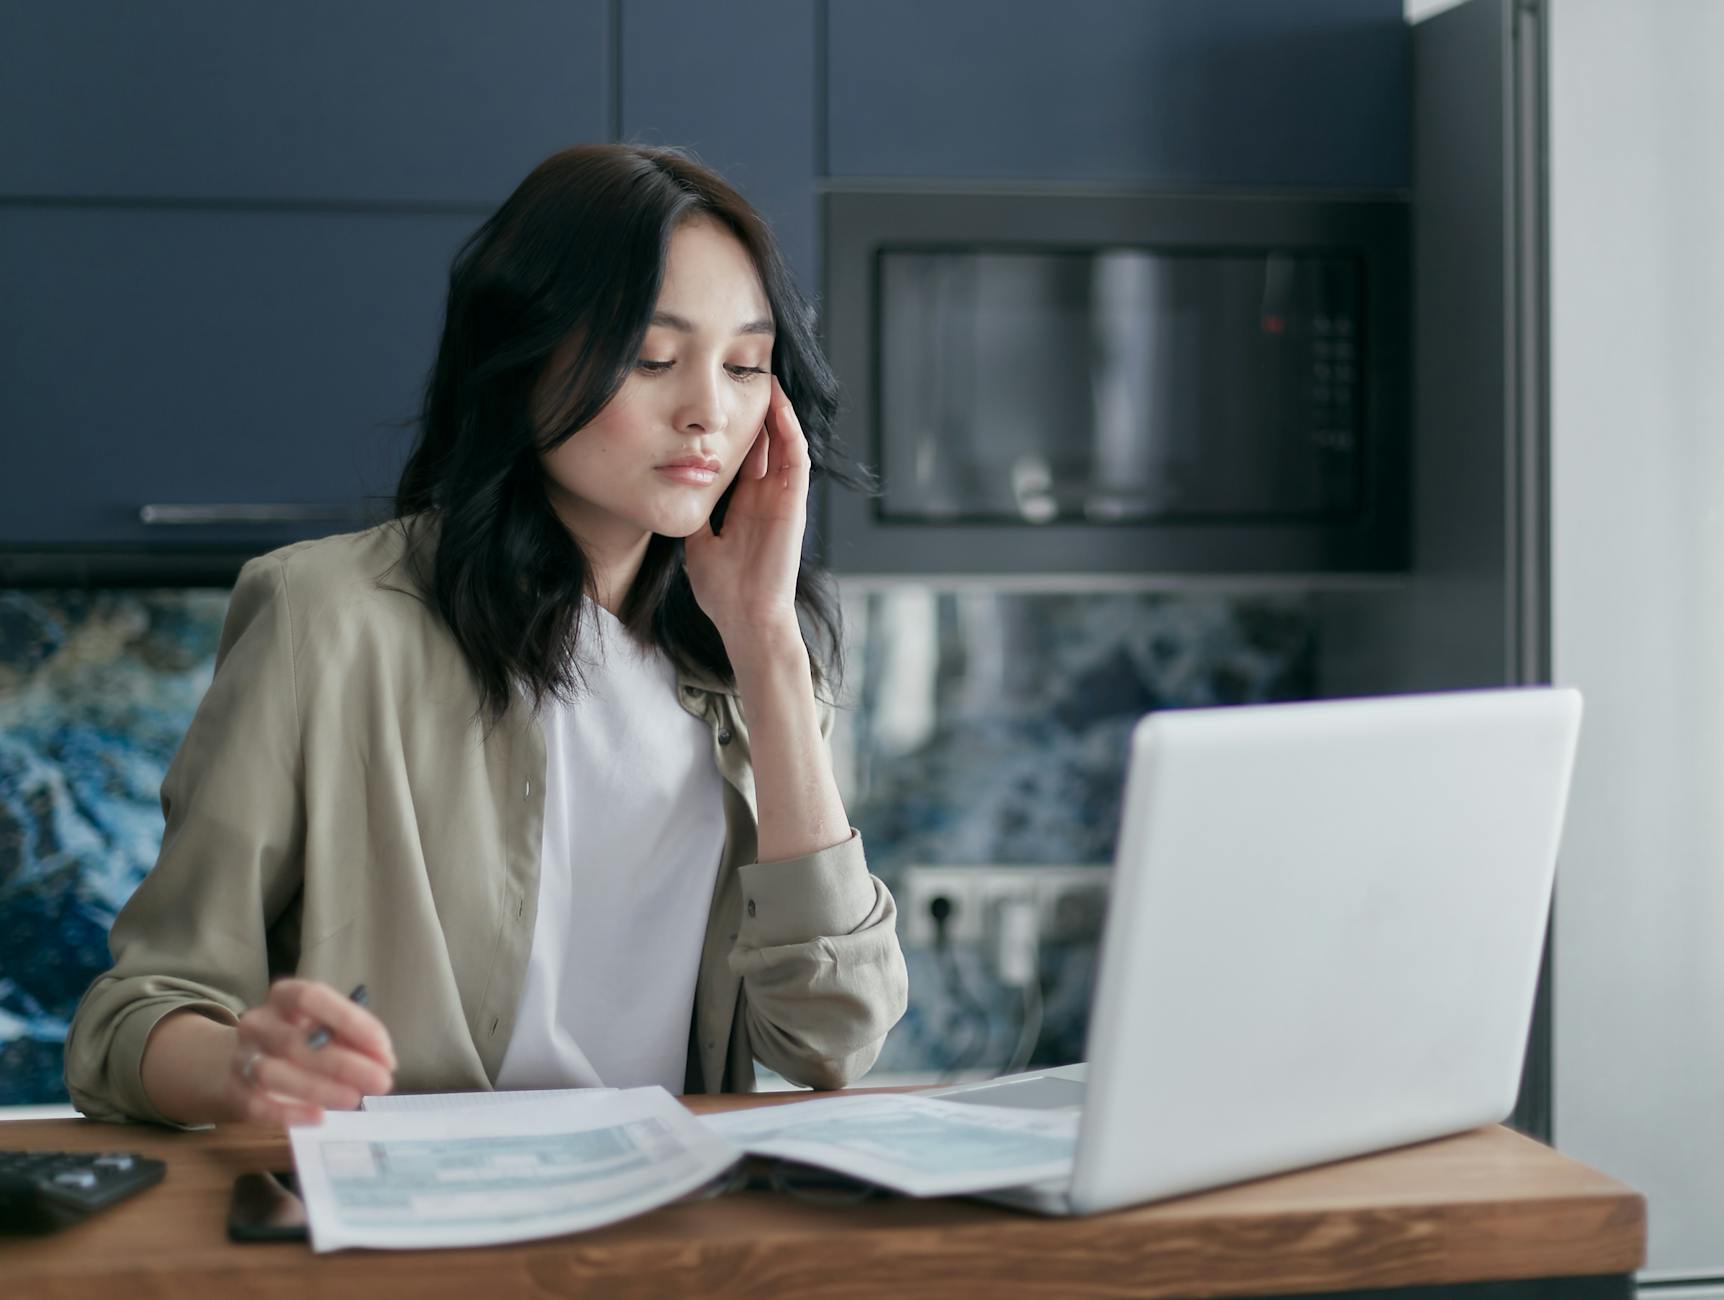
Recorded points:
397,1101
476,1169
481,1175
919,1146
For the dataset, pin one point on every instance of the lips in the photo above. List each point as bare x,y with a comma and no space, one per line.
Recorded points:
696,471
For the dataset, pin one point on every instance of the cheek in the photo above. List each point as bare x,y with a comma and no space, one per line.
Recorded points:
604,440
581,460
627,411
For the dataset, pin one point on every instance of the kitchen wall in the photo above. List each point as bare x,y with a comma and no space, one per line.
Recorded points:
223,240
1637,614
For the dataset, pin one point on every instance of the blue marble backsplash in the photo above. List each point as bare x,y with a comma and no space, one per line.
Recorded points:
96,690
982,727
991,727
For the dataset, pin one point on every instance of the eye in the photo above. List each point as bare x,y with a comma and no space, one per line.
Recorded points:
742,374
653,367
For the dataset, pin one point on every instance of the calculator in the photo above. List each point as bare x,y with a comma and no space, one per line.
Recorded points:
44,1190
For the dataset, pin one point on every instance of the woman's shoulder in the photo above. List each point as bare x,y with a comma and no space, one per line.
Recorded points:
347,565
348,580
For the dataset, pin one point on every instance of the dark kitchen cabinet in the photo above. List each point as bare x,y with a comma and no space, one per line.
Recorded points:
736,83
225,235
397,101
225,232
208,358
1250,92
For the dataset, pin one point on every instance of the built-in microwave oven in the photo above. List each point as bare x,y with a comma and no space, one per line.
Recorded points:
1055,380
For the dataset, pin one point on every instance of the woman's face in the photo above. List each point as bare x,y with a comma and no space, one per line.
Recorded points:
662,451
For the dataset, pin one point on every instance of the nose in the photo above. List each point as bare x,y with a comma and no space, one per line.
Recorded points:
700,401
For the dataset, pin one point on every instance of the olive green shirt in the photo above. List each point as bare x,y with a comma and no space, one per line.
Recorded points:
337,812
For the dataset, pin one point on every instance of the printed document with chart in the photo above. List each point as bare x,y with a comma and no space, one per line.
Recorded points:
481,1175
446,1171
920,1146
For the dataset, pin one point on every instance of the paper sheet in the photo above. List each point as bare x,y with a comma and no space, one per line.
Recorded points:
452,1100
920,1146
479,1176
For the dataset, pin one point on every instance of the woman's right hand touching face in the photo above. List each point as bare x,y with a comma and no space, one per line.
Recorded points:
274,1078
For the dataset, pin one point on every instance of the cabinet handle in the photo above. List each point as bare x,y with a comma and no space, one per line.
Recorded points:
245,514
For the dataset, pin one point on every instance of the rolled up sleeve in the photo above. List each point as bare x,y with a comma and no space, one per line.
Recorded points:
194,934
823,975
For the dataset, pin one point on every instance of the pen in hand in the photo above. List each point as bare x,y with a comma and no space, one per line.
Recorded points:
323,1033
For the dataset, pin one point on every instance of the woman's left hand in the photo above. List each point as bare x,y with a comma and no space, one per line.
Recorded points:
745,576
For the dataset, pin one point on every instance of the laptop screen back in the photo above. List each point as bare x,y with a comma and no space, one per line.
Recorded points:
1324,933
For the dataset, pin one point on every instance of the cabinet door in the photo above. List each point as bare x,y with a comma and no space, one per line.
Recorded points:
390,100
1229,91
150,356
735,82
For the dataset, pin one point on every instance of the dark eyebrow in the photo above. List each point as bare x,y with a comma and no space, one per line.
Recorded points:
672,321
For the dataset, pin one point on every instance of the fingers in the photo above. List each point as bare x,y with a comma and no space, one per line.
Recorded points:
789,445
334,1067
343,1066
279,1079
317,1003
755,463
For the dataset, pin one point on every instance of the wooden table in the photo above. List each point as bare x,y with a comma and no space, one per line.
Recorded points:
1487,1206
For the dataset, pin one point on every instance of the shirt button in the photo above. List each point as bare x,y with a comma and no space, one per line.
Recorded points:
751,907
724,735
529,793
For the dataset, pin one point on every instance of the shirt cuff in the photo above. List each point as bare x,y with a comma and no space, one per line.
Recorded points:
828,892
126,1055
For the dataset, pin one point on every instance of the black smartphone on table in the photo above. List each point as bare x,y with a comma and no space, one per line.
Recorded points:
266,1207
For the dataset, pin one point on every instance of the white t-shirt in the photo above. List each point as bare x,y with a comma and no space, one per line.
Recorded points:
634,828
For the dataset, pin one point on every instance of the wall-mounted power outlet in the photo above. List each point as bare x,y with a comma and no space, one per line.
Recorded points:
1069,901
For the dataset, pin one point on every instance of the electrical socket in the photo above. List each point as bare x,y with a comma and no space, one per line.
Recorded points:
1070,901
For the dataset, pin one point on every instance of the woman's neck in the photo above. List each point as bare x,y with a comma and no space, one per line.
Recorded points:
614,572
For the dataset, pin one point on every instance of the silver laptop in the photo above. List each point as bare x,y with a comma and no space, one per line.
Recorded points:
1322,939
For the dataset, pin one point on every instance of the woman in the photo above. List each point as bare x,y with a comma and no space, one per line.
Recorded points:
541,762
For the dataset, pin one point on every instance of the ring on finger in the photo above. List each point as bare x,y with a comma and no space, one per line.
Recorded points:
248,1066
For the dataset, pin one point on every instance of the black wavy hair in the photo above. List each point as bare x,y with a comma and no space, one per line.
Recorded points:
576,256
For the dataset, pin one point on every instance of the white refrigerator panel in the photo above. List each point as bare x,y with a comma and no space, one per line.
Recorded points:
1636,129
